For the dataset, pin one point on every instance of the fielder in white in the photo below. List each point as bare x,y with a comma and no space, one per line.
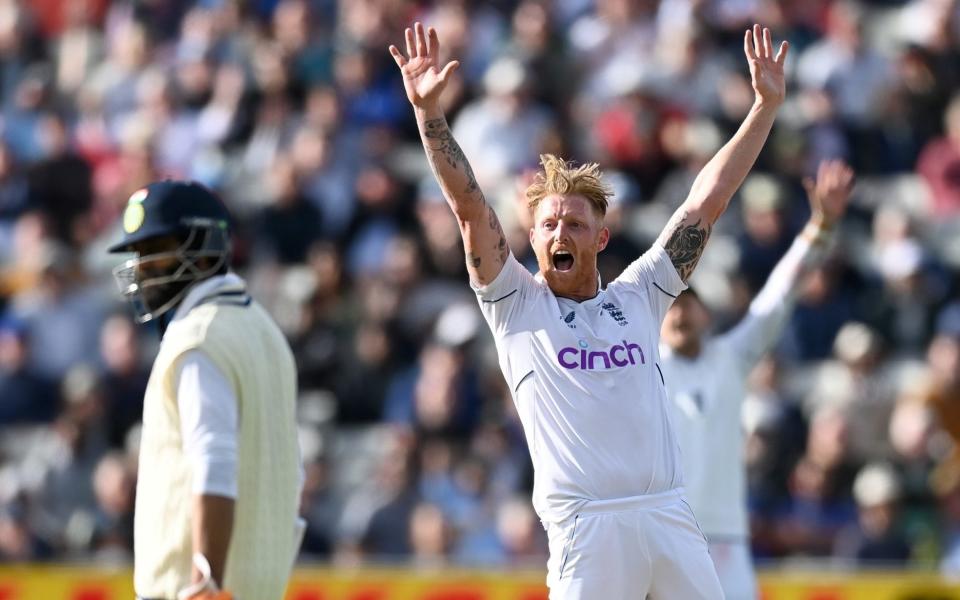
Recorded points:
581,359
218,486
706,384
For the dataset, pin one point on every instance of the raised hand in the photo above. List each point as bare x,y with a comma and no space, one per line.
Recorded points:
830,194
766,71
423,80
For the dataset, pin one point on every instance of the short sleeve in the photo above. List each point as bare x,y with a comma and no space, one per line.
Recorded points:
505,300
209,424
654,274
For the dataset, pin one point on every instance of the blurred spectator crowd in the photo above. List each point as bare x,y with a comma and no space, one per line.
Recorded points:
294,111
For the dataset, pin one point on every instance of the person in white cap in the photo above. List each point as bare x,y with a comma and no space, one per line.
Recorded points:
877,537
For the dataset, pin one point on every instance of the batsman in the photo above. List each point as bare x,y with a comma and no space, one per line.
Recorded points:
220,475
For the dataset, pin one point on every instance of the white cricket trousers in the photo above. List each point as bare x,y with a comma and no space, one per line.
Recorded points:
734,568
637,548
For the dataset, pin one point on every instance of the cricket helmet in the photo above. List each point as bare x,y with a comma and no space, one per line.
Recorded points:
185,211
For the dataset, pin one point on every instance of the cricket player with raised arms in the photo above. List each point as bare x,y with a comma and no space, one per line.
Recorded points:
581,359
706,382
219,481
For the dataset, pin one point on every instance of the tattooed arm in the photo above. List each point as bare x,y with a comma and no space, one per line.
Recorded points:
483,238
688,230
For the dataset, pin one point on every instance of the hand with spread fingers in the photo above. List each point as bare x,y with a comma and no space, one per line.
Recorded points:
423,79
766,70
830,194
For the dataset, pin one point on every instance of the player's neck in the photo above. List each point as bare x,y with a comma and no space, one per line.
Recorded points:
578,295
585,288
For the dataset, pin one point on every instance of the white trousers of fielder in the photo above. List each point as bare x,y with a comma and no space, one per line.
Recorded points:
734,568
636,548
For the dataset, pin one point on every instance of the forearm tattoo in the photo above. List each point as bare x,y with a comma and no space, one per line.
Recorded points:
443,147
686,244
449,150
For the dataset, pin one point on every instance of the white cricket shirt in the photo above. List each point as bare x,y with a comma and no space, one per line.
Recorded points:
247,348
707,392
586,383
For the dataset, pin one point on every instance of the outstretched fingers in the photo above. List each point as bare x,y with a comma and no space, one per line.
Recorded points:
433,43
411,45
822,169
397,56
758,45
832,175
748,45
843,175
421,39
448,70
782,52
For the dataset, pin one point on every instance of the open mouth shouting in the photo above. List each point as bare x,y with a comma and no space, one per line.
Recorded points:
562,261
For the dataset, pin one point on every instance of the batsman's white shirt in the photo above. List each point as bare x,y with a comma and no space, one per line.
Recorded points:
219,320
586,383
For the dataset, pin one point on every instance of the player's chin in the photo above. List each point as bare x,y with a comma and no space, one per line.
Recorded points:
563,283
555,274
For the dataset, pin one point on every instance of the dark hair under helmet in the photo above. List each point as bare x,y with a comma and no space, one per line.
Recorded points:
188,212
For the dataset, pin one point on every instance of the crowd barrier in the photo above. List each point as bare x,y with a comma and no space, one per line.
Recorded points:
88,583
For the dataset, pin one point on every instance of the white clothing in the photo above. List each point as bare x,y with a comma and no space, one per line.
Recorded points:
590,395
208,424
586,384
208,406
734,568
706,394
221,323
627,548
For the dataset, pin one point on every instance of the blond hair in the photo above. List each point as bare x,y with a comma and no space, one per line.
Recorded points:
560,177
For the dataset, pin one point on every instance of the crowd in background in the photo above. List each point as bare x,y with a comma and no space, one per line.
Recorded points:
295,113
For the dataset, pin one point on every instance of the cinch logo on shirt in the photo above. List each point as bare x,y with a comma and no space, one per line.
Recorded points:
589,360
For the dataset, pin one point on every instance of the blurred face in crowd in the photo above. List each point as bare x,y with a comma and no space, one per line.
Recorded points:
764,226
118,345
567,235
531,25
828,437
430,532
517,528
684,325
952,120
435,393
845,24
943,356
291,24
113,485
13,351
877,519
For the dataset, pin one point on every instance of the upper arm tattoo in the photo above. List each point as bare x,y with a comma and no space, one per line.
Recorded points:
502,249
450,151
686,244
